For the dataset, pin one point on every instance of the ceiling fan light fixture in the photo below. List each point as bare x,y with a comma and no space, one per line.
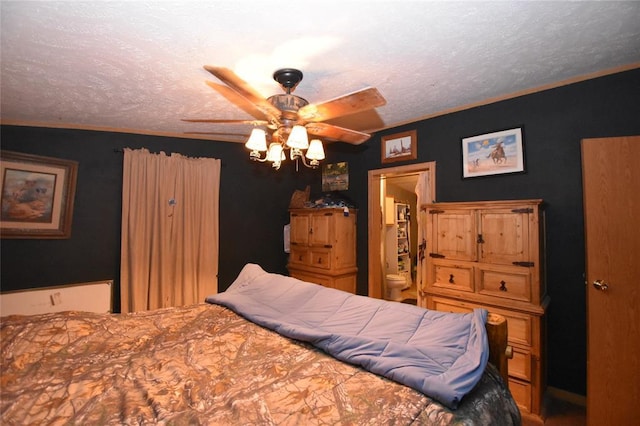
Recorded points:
298,138
275,154
289,118
257,140
316,150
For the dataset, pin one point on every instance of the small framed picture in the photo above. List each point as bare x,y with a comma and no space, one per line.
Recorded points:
400,147
493,153
37,196
335,177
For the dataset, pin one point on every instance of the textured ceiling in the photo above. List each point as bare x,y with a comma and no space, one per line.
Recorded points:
138,66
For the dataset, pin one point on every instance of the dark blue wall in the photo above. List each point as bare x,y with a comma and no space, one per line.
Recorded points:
254,198
253,207
554,122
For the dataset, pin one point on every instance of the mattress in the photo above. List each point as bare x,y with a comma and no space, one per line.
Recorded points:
205,364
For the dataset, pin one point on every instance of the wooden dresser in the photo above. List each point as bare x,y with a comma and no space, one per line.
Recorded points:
323,247
491,255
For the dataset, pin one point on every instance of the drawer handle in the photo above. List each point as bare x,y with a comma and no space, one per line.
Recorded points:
451,280
503,286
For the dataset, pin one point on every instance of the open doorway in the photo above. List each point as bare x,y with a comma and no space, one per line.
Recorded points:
384,185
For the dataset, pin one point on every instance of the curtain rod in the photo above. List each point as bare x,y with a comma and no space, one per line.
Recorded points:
121,151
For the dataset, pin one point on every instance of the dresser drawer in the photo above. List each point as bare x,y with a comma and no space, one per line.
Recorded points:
446,305
521,392
506,283
320,259
312,278
520,364
452,276
299,256
519,325
345,282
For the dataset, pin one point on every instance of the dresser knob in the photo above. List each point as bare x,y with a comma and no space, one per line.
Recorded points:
451,279
503,286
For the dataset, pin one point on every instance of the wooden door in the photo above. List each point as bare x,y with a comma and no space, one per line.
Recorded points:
611,182
321,231
453,234
300,225
504,236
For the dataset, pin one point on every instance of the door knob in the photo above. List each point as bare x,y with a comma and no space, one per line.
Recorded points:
601,285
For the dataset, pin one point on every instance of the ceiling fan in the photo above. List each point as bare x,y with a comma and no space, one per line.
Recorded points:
287,118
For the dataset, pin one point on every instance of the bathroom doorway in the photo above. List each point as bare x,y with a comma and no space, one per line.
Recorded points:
397,184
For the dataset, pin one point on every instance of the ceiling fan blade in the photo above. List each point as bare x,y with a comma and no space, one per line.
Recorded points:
210,120
347,104
368,121
239,101
337,133
218,134
243,88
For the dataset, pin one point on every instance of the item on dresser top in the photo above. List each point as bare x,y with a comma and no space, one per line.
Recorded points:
332,200
300,198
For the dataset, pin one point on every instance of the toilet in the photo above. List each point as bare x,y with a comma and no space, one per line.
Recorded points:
395,284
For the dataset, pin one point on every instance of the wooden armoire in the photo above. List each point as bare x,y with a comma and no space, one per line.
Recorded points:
323,247
491,255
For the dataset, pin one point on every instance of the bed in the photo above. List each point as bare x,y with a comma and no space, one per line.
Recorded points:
208,364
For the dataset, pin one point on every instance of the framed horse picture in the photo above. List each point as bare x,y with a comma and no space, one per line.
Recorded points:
493,153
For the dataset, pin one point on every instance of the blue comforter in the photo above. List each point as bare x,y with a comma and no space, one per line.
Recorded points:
440,354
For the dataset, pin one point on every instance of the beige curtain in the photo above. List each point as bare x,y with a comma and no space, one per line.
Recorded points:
169,254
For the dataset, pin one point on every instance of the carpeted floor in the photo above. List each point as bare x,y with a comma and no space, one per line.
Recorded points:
561,413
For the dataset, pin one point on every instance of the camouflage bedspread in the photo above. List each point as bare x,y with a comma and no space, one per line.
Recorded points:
203,364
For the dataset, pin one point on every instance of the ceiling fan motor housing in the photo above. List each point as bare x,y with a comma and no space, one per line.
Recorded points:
287,103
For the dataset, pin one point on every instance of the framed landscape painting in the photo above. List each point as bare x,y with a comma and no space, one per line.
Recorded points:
400,147
37,196
335,177
493,153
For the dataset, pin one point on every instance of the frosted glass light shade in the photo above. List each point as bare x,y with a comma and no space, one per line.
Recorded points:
257,140
298,138
315,151
275,153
